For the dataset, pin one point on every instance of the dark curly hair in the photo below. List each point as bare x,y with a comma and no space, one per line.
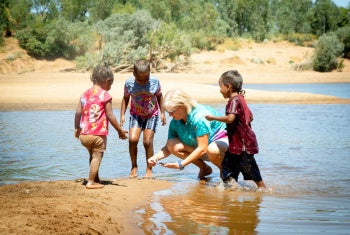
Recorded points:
234,78
101,74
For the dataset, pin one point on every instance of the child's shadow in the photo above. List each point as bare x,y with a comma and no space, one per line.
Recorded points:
104,182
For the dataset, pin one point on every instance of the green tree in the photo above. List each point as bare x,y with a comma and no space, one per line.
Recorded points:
252,17
325,17
160,10
75,10
101,9
6,20
45,10
201,16
227,10
291,16
120,8
344,16
20,11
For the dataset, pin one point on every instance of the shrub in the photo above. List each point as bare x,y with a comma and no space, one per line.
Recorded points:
122,39
57,39
168,43
33,40
327,49
300,38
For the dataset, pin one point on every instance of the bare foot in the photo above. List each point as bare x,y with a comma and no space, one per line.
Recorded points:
133,173
203,172
149,173
93,185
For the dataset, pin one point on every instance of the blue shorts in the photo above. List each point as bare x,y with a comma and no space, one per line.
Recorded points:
243,163
143,123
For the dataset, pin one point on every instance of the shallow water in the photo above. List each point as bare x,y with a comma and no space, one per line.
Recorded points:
304,158
305,161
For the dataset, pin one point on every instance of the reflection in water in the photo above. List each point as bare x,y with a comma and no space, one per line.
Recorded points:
201,209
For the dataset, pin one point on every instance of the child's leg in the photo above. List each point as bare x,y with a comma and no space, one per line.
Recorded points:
250,169
148,136
95,145
97,178
95,162
226,169
134,136
260,184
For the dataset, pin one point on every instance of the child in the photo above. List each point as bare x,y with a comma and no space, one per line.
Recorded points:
91,121
146,102
242,140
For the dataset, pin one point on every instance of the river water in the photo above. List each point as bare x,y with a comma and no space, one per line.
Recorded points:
304,159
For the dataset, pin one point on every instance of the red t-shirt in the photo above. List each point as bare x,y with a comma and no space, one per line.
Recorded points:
240,134
93,119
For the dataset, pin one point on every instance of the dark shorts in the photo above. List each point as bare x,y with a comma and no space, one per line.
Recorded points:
143,123
243,163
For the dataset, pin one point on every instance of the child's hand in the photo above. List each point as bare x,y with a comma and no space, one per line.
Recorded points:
122,120
122,134
209,117
163,118
77,133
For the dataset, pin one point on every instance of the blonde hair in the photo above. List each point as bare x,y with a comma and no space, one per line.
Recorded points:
177,97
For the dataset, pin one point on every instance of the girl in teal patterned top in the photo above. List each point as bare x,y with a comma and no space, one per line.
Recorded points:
191,137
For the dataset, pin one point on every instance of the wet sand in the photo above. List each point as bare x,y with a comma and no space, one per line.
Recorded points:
66,207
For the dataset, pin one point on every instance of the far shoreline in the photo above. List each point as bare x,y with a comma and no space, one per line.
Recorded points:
34,91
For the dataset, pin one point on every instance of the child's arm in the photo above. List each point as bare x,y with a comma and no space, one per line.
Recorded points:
77,119
111,118
226,119
123,107
162,114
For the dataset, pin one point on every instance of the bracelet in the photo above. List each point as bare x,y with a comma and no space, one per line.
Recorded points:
180,165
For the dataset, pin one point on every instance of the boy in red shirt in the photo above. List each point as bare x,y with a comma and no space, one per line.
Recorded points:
242,140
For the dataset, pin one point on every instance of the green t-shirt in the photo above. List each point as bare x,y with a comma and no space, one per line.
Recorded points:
197,125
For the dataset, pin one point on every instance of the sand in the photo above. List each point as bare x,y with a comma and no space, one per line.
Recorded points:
66,207
62,207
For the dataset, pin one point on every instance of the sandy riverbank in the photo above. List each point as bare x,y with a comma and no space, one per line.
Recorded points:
61,90
66,207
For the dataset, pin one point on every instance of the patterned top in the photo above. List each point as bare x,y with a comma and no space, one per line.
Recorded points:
197,125
143,98
240,134
93,119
